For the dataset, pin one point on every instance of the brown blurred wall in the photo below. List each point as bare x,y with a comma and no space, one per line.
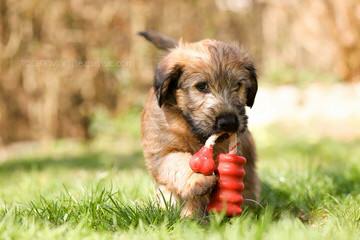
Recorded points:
62,59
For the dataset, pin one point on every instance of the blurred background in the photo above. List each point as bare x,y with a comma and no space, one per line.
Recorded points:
76,68
73,80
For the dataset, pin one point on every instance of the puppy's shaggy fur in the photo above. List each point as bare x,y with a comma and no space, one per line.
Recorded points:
199,89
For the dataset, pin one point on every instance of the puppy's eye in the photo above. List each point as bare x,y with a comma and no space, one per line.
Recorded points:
238,86
202,87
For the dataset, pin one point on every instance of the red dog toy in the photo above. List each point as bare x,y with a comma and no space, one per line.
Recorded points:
227,195
203,161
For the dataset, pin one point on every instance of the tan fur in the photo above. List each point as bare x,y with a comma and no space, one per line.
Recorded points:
168,139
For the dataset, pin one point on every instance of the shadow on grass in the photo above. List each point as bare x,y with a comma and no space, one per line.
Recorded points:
301,202
346,181
88,161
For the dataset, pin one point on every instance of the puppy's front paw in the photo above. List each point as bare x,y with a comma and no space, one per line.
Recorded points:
198,185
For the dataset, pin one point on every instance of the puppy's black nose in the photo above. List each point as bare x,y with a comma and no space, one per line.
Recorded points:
227,122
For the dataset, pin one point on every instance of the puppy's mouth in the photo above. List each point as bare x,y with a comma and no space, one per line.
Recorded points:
203,135
198,132
222,138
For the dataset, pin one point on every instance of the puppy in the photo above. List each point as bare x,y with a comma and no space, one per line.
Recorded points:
199,89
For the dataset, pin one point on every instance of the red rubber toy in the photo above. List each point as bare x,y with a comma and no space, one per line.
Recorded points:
230,170
202,161
227,195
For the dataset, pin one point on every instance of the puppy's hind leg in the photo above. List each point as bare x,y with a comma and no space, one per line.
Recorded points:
252,183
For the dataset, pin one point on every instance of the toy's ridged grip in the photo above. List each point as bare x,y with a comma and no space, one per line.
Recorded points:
227,195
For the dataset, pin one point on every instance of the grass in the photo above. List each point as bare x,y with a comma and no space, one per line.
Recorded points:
101,190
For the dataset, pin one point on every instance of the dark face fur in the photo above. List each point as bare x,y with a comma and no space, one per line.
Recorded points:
210,83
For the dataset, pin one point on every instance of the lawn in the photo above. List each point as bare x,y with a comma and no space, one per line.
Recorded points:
101,190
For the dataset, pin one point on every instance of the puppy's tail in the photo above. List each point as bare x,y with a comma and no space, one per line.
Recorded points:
159,40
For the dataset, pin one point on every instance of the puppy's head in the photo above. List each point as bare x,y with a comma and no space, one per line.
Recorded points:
209,81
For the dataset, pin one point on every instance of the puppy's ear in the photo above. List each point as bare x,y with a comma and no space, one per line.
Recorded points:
166,81
159,40
252,87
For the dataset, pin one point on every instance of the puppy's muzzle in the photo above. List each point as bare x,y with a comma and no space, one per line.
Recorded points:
227,122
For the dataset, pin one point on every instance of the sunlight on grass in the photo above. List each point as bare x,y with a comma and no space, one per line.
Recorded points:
310,190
